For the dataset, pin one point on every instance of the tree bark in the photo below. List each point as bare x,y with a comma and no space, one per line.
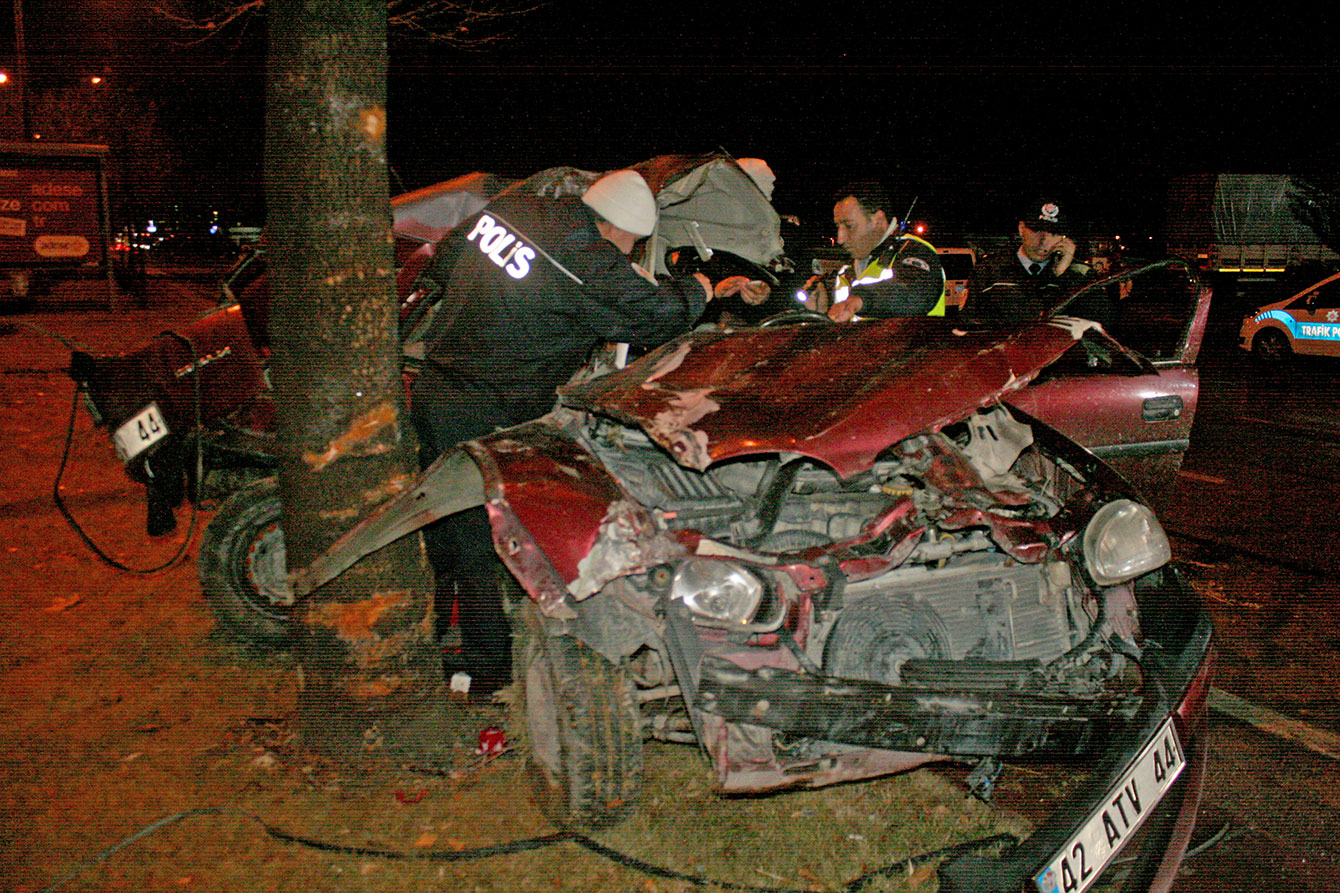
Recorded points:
370,679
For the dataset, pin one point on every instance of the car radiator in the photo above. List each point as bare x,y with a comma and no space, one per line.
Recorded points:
983,609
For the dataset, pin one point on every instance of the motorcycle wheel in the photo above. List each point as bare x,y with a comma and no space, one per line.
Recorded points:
242,566
581,720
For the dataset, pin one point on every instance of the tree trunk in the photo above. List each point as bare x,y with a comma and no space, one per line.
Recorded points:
370,679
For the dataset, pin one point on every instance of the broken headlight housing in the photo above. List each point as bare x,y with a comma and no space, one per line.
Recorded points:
1123,541
720,592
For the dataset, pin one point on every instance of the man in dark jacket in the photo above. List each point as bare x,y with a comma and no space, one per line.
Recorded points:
530,286
1023,285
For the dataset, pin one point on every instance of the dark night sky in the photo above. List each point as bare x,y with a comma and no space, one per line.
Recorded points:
969,111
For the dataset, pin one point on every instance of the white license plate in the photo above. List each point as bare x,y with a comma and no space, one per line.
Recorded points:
144,429
1075,867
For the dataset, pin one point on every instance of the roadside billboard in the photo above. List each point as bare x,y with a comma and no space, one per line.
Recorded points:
52,205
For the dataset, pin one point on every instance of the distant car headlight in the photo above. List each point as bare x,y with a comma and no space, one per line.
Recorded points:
717,590
1123,541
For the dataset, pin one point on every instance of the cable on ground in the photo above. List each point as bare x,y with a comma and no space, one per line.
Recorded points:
520,845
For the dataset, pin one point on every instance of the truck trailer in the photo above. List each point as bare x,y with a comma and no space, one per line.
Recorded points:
1240,223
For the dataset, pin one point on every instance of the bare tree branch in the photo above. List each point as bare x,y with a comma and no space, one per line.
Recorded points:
207,19
462,23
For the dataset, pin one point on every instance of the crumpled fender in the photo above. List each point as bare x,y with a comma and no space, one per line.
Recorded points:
451,484
562,524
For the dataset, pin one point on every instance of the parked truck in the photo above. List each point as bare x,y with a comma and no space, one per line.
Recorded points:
1240,223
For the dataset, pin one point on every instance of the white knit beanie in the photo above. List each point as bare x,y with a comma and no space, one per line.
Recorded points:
625,200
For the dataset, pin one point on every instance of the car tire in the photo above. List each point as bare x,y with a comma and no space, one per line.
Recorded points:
242,566
578,716
1271,347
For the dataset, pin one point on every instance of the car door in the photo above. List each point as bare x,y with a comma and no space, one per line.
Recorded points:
1133,407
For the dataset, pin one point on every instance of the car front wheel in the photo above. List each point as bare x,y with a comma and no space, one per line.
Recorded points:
581,720
242,566
1271,346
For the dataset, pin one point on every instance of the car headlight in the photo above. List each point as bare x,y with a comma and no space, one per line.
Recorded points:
717,590
1123,541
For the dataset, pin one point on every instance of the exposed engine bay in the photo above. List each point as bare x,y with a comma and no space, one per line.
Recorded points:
790,504
947,570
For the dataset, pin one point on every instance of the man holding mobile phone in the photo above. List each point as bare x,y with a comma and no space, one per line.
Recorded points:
1025,285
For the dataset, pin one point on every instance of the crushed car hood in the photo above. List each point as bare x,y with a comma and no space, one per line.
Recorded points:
839,394
432,212
709,202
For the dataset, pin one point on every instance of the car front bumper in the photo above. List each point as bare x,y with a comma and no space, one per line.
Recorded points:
1104,739
1177,664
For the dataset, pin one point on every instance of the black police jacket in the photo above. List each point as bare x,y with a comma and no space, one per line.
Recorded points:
529,288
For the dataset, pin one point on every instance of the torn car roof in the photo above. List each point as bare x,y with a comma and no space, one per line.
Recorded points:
840,394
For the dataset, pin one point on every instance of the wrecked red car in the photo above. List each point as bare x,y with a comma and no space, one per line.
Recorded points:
823,553
190,412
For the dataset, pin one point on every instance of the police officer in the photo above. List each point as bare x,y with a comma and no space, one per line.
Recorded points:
1024,285
530,286
891,273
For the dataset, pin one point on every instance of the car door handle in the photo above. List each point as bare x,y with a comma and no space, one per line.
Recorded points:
1161,409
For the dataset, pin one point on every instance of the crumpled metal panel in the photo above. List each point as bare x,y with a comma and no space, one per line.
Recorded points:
745,761
575,513
709,199
836,393
214,351
450,485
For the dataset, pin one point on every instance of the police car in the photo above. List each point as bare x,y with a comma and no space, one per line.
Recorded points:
957,264
1307,323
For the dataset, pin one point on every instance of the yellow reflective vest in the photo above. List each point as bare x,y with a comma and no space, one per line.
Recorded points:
882,266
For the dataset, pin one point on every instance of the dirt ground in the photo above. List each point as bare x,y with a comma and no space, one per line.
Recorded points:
144,751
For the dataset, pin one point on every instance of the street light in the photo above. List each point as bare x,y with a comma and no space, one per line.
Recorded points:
21,70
